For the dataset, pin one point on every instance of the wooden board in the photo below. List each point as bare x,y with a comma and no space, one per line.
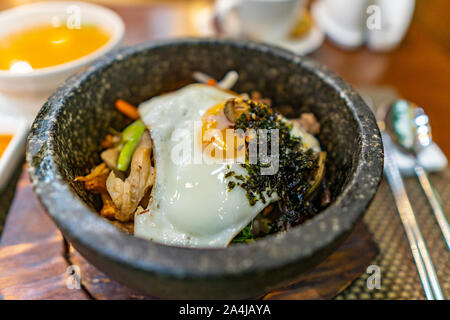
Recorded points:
34,259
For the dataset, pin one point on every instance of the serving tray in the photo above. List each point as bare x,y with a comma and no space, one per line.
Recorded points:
37,263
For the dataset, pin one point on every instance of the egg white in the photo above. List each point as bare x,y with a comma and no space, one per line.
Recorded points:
191,204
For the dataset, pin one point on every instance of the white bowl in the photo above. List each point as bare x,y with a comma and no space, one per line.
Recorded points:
36,85
18,128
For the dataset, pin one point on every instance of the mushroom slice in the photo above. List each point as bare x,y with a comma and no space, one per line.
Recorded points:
234,108
110,157
127,194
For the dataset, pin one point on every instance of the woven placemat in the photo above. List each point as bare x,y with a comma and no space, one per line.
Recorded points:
399,277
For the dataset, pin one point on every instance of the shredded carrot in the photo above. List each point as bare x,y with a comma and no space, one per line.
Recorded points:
211,82
127,109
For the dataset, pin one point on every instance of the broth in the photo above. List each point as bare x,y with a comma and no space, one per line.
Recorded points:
46,46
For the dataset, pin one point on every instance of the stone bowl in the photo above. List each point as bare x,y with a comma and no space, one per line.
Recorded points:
65,138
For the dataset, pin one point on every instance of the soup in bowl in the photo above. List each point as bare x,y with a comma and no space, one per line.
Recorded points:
42,44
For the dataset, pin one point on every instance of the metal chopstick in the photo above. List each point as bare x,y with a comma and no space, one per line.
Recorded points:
424,264
434,203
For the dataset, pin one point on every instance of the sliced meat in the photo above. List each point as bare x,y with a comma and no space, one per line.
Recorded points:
309,122
109,210
95,182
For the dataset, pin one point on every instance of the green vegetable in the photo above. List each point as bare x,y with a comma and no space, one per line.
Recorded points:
130,136
245,235
128,132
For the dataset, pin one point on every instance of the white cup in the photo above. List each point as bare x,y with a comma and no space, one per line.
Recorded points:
346,22
396,17
24,93
342,20
349,14
264,20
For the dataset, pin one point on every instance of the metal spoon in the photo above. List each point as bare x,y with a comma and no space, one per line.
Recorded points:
409,128
424,264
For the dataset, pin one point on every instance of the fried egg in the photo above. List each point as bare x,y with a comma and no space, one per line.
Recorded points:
191,203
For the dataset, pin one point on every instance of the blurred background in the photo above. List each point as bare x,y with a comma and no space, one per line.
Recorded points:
417,67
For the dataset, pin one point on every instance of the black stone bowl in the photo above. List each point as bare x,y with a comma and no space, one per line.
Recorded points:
64,143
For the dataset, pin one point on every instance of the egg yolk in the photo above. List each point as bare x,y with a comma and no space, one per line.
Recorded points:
46,46
219,140
5,139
